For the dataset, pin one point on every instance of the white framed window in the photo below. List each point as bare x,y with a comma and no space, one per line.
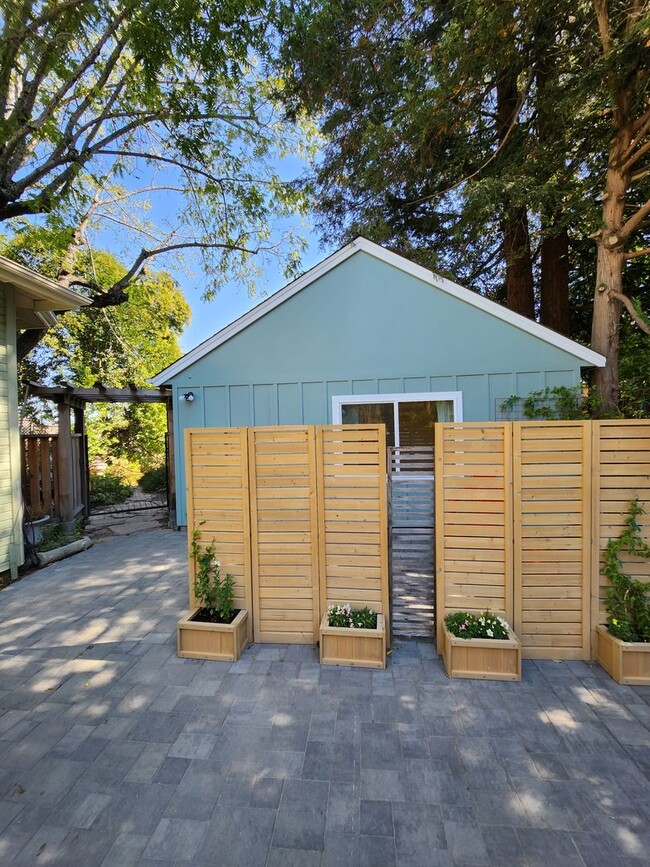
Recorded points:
409,418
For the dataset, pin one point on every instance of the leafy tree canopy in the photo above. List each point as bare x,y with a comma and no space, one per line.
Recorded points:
115,345
107,103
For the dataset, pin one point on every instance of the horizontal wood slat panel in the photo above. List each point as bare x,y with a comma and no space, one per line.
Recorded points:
353,526
220,514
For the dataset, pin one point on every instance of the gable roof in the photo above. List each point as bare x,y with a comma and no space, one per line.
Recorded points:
587,356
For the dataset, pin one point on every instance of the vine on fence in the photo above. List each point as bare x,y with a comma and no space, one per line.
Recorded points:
627,599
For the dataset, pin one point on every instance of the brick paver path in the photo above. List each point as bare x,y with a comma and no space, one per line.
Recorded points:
115,752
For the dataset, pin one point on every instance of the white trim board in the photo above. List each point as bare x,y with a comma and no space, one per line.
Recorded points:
587,356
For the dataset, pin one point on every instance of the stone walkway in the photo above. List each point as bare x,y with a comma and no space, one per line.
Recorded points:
115,752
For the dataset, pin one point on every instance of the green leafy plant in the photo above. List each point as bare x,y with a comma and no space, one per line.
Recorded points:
108,490
212,590
462,624
54,536
627,599
348,617
559,403
154,481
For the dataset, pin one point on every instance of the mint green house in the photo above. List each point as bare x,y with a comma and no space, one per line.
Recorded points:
367,336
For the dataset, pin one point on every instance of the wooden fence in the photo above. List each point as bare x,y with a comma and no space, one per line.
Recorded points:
523,513
39,474
298,515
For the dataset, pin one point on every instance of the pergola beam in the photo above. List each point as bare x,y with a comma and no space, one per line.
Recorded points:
99,393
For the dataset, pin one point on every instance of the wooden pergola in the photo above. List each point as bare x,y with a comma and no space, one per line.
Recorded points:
73,493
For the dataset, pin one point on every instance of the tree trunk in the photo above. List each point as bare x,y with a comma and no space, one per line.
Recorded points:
554,281
606,320
28,340
520,296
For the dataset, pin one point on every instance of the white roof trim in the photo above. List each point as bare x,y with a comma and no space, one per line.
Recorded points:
588,356
46,294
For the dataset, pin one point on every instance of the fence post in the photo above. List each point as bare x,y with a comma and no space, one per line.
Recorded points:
66,473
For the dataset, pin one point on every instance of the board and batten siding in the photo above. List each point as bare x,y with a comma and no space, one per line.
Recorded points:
365,327
10,500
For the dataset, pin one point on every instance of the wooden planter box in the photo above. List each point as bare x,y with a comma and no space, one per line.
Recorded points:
224,641
625,661
482,658
365,648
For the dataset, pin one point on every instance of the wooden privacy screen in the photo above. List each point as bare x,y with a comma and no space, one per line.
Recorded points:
523,513
352,515
552,537
218,502
298,515
621,461
473,494
284,549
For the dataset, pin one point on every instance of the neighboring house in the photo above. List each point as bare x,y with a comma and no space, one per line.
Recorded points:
367,336
27,300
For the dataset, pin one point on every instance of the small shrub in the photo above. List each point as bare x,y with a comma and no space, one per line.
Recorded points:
627,600
212,591
54,536
346,616
462,624
154,481
108,491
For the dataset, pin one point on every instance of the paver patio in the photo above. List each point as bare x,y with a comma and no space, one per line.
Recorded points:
115,752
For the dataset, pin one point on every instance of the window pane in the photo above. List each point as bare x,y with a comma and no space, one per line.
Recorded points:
417,418
371,413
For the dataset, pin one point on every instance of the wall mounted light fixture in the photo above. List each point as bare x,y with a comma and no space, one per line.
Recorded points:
188,396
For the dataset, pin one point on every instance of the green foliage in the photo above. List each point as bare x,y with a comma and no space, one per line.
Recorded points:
169,96
116,345
348,617
54,536
212,591
154,481
108,490
627,599
128,472
559,403
465,625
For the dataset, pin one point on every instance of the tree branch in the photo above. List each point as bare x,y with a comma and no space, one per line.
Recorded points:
28,340
634,254
501,146
602,18
629,306
634,157
635,221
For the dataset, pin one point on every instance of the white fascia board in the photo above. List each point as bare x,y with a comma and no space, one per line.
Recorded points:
588,356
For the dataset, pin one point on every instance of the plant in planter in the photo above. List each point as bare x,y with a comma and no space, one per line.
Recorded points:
623,643
480,646
214,629
353,636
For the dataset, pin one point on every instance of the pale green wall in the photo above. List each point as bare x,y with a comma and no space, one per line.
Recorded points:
363,328
11,542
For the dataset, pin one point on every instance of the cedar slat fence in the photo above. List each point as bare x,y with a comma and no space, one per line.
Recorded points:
523,513
39,474
298,515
